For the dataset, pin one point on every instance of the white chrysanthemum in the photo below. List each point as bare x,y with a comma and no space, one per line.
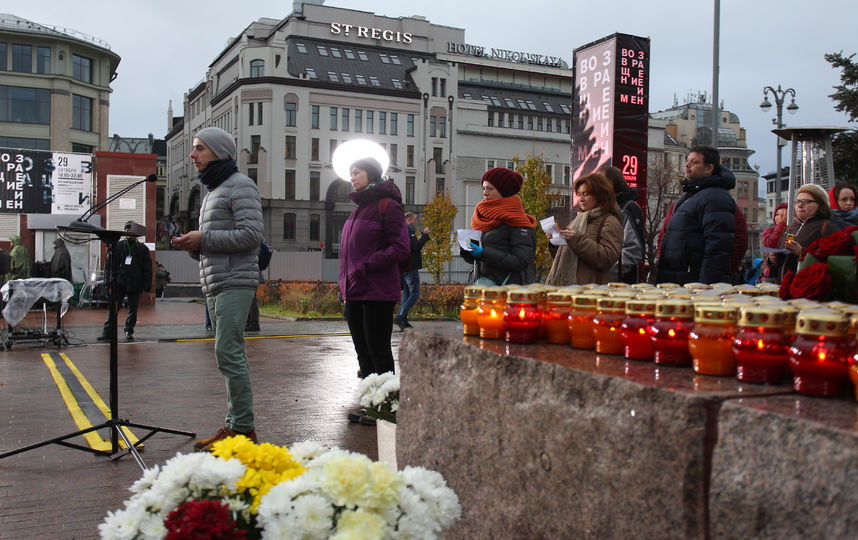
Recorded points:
347,479
359,525
152,527
145,482
123,524
442,504
307,451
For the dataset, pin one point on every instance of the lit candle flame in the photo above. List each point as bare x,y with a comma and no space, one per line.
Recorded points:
493,314
521,313
822,355
671,333
642,331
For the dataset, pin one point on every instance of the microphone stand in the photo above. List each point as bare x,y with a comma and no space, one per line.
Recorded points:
114,423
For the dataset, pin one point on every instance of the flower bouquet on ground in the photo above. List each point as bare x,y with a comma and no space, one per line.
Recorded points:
379,396
245,490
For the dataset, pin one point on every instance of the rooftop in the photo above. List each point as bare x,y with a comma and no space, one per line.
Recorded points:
17,24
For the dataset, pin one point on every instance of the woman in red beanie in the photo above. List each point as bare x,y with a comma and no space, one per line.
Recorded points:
507,249
594,238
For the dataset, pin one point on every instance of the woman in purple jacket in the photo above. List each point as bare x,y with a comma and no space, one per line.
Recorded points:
374,240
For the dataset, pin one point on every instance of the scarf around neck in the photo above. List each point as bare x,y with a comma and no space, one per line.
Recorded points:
504,211
216,172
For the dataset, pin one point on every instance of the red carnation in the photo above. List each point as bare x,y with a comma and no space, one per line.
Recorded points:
209,520
837,243
813,282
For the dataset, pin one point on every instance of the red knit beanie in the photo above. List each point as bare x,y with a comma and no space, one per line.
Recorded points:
506,181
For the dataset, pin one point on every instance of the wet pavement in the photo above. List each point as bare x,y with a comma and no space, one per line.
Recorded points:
304,379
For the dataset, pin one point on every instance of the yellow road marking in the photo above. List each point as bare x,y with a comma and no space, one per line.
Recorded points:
80,418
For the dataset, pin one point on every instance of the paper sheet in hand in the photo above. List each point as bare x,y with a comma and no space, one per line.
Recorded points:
550,227
464,236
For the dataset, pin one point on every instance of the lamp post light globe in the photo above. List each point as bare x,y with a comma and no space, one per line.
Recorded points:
779,96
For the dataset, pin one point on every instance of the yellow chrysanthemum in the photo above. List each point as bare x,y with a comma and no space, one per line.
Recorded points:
347,479
359,525
384,486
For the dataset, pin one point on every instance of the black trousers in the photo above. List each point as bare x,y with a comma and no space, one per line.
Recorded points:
371,324
133,304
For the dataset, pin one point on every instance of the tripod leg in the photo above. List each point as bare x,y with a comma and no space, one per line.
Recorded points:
130,448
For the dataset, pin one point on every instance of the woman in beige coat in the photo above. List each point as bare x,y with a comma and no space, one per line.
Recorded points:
594,238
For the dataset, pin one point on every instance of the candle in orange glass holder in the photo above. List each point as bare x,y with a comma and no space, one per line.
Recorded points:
711,340
554,317
610,313
636,327
760,345
490,312
468,310
581,321
522,316
820,354
674,319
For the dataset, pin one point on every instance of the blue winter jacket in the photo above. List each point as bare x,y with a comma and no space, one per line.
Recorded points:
699,236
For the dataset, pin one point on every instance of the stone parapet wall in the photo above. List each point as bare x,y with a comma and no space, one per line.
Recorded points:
544,441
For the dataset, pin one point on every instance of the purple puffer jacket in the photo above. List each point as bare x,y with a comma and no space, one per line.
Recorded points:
369,250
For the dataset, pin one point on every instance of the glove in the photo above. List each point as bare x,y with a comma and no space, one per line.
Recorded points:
476,251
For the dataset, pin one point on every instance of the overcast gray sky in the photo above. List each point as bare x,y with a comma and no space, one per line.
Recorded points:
166,47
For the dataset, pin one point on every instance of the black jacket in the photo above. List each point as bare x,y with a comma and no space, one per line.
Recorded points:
699,236
416,247
137,276
508,255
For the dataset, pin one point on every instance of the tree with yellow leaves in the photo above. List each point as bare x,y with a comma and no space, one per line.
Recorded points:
438,216
535,197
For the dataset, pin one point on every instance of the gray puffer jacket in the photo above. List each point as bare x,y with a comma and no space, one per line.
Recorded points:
231,226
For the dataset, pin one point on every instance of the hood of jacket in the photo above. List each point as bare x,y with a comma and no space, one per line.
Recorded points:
374,192
16,240
724,178
623,197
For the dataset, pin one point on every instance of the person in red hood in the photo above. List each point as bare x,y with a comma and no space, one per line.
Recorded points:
771,238
842,197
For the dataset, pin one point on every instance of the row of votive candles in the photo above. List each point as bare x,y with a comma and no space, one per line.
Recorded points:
743,331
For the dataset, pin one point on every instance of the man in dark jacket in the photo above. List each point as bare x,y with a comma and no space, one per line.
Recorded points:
627,268
697,238
134,277
411,279
61,261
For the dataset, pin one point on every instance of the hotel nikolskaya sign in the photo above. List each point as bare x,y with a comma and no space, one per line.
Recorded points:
506,55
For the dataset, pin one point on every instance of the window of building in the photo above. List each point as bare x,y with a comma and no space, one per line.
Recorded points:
315,223
491,121
22,58
393,123
442,126
314,149
333,118
565,109
30,144
433,130
345,123
43,60
362,55
311,73
510,165
382,122
315,181
252,174
358,120
259,114
373,80
322,50
530,123
360,79
409,190
289,185
549,170
434,86
509,103
466,95
369,121
443,90
490,164
289,226
396,83
314,116
250,115
257,68
566,125
395,60
557,123
79,148
255,143
335,52
487,100
25,105
4,51
347,77
409,155
530,105
384,58
291,114
81,113
81,68
496,102
290,146
437,154
410,125
333,146
521,104
439,184
301,48
349,54
332,76
539,126
521,121
394,154
566,170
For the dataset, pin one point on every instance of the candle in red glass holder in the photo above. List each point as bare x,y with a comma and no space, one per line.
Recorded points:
555,316
543,300
635,330
581,321
490,312
674,319
468,310
522,316
853,373
711,340
760,346
610,313
820,354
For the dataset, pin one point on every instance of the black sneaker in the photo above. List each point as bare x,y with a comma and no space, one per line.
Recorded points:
103,338
407,324
129,335
400,323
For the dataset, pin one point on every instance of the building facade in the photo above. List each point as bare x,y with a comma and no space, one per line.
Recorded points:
291,90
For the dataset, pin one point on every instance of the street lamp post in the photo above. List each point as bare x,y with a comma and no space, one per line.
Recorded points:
779,96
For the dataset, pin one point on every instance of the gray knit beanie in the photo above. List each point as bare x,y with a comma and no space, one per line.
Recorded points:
219,141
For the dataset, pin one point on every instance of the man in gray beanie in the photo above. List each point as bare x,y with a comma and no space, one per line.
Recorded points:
227,246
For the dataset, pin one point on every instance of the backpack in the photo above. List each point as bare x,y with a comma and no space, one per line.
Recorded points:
405,264
265,252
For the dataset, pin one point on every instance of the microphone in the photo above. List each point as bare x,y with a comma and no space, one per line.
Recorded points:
152,178
81,222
